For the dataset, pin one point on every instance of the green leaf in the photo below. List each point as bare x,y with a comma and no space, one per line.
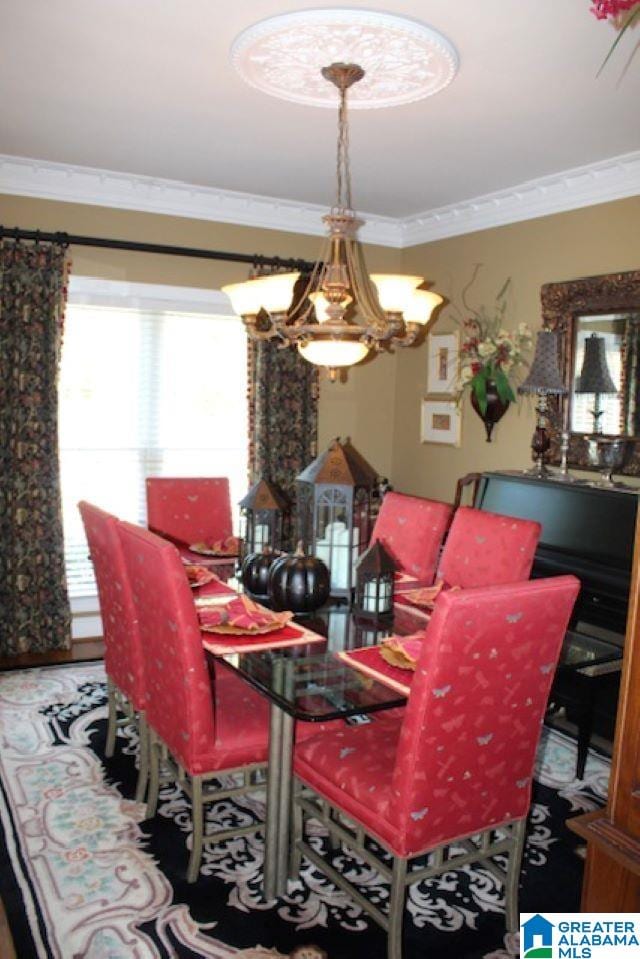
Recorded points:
503,386
479,387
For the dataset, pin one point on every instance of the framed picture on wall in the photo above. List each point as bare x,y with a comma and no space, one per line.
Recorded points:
442,363
440,422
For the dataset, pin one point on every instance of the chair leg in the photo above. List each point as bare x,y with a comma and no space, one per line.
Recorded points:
112,718
154,773
196,837
396,908
143,757
513,876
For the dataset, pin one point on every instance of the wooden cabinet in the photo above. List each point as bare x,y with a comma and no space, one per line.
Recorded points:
612,871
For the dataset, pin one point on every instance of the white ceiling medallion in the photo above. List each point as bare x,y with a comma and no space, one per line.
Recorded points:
403,60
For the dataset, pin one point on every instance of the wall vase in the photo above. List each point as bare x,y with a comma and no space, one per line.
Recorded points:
495,408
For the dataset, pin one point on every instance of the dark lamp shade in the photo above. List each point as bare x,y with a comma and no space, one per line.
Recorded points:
544,374
594,376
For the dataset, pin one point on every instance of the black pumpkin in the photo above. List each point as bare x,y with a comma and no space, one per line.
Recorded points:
255,571
298,582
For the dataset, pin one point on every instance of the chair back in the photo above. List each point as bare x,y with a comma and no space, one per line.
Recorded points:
473,719
487,549
188,509
180,706
411,529
123,658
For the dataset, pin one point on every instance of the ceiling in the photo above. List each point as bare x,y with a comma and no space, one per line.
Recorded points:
147,88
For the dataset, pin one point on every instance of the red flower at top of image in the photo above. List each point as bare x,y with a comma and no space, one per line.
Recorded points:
603,9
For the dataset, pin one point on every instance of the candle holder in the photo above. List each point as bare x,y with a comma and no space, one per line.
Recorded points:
375,572
335,511
262,514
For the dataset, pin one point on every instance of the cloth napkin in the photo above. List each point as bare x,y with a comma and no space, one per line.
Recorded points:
427,595
219,547
242,613
403,651
198,575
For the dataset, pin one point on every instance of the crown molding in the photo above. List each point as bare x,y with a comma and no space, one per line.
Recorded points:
22,176
612,179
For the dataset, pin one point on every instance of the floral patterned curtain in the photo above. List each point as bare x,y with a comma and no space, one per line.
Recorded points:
283,418
34,607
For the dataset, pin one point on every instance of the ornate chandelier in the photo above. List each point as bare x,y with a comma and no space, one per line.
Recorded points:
340,313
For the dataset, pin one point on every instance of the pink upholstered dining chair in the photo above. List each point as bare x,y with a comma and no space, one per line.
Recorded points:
487,549
202,730
412,529
456,771
189,510
123,658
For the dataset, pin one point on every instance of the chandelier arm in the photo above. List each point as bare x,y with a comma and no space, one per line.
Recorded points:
372,313
296,314
250,323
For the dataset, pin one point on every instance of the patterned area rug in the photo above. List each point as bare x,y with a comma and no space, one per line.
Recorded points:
83,874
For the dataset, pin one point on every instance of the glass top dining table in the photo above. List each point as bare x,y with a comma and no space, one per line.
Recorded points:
312,683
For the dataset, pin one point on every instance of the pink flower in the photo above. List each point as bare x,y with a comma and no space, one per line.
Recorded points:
611,8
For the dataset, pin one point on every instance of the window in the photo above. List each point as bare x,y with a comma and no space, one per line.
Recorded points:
152,383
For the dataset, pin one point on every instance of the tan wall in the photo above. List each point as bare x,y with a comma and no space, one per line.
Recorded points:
379,404
599,239
361,408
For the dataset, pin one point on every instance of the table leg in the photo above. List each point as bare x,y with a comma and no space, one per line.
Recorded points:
272,818
284,812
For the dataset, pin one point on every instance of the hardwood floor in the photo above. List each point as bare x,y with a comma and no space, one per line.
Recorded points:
81,651
6,942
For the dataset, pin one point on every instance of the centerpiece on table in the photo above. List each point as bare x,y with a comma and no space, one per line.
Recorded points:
490,358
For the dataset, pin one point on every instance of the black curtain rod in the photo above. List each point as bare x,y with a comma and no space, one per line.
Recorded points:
71,239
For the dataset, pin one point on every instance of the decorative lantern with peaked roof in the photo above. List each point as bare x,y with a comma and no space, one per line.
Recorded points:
375,571
261,518
334,509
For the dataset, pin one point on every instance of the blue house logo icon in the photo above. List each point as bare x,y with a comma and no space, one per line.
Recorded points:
537,938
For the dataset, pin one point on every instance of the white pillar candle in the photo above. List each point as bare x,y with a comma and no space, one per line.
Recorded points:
260,537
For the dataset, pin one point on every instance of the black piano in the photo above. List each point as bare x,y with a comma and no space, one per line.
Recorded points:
589,532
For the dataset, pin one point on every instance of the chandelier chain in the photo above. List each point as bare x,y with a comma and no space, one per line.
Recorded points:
343,169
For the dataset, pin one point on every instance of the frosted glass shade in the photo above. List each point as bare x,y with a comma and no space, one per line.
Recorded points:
272,293
246,297
395,290
320,303
421,306
333,353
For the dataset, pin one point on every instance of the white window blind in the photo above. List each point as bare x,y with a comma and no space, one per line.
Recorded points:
145,392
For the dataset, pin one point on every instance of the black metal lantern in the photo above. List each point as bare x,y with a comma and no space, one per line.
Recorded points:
334,504
375,572
262,517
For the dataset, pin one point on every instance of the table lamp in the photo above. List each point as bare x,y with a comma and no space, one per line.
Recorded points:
544,380
595,376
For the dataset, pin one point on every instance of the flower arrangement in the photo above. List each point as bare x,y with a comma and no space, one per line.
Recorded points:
612,10
490,353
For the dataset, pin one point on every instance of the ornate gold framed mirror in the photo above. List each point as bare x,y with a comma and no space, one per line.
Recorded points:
597,319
